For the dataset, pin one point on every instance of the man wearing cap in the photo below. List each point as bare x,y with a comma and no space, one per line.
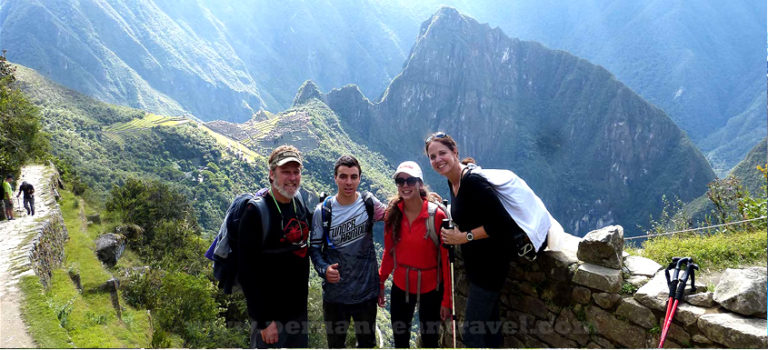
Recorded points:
343,254
274,266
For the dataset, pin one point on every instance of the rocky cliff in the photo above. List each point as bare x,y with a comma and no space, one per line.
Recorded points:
593,150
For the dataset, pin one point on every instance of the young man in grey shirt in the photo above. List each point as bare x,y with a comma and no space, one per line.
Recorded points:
344,256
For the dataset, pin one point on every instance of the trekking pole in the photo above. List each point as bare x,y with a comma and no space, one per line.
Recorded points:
689,272
672,284
448,225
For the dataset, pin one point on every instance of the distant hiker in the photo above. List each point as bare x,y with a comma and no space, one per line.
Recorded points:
498,217
344,256
274,266
7,193
420,262
29,197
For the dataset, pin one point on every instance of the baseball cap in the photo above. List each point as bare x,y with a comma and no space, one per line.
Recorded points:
285,157
410,168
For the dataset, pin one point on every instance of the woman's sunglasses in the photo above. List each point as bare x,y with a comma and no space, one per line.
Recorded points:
411,181
437,135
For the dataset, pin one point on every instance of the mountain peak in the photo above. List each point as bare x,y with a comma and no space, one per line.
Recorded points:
445,17
307,91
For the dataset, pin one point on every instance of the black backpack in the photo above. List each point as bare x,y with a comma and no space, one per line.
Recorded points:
224,249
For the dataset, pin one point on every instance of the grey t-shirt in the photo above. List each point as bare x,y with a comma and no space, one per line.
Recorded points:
350,245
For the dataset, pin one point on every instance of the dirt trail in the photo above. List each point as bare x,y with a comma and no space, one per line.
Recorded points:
14,259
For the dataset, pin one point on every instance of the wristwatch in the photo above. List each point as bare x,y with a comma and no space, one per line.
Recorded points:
470,236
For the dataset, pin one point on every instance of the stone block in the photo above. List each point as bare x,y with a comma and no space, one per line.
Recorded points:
606,300
688,314
547,334
581,295
525,323
109,248
704,299
638,281
533,342
558,292
655,293
638,265
742,291
603,343
569,326
598,277
527,288
511,342
556,264
677,333
615,330
700,339
529,305
535,276
734,331
638,314
603,247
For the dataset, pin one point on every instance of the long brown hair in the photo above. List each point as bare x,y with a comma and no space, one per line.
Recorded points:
393,214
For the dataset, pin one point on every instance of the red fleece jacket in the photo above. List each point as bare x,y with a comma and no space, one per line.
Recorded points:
416,250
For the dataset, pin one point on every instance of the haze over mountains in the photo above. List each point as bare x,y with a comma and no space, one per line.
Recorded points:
594,150
591,146
703,64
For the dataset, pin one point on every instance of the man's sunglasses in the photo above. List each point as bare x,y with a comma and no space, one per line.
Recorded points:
437,135
411,181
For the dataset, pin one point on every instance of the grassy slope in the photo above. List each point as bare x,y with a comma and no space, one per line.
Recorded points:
64,317
711,252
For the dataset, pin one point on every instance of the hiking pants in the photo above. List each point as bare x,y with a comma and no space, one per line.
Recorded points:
402,317
291,334
482,327
29,205
337,318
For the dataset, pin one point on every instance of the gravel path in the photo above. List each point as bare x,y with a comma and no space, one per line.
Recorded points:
14,257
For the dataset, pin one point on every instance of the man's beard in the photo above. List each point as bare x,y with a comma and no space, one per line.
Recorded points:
281,189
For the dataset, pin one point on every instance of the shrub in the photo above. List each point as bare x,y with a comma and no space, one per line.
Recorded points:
141,289
184,299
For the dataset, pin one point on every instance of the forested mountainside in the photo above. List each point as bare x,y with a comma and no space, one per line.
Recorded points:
703,64
595,151
746,171
105,145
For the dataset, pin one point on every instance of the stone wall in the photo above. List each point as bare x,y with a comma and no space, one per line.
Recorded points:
49,234
596,296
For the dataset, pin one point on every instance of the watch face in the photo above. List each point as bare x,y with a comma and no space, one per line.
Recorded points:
470,236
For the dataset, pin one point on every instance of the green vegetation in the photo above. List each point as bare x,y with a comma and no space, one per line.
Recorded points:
63,316
149,121
177,286
100,145
165,185
20,136
716,252
716,248
44,327
628,289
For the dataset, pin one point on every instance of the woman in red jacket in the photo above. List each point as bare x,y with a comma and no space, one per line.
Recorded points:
420,276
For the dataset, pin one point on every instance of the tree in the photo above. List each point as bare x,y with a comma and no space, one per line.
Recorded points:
20,136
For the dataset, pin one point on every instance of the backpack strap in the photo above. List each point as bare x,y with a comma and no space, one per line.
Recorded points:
261,205
326,213
431,232
368,201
